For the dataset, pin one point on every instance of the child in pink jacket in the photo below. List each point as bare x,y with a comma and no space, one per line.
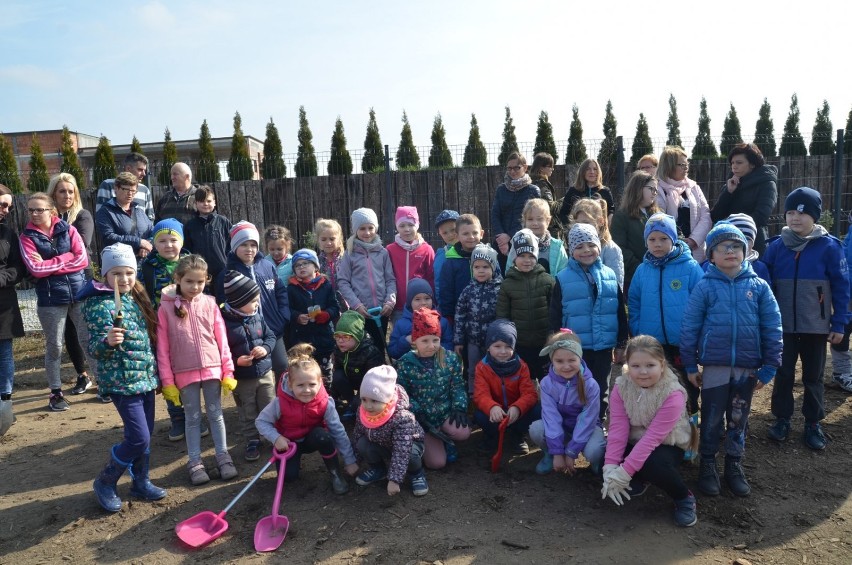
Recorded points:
411,257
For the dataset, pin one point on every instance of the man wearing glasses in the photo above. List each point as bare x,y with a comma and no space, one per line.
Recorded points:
137,164
122,220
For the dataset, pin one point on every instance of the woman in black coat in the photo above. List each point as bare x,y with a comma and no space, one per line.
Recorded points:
11,272
752,189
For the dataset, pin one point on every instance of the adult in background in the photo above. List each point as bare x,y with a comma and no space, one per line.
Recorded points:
55,256
648,163
122,220
137,164
509,201
752,189
69,207
176,203
11,272
681,198
588,184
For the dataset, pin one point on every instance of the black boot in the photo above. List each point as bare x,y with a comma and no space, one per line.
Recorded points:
708,477
735,477
338,484
105,484
142,486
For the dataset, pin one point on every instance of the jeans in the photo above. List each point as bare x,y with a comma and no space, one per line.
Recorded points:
693,393
137,413
811,349
536,363
190,396
474,356
377,456
593,452
52,320
841,359
7,366
732,402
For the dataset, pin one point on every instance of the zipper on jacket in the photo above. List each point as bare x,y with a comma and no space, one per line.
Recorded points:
734,326
662,310
795,288
821,299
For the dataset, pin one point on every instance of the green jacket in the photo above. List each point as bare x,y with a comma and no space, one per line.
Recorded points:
433,394
524,298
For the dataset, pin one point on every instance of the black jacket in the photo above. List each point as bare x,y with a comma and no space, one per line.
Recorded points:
244,334
756,195
209,237
12,270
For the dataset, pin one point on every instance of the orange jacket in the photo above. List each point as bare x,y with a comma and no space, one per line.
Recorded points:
489,390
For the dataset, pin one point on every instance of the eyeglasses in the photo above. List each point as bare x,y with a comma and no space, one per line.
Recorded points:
130,189
516,168
683,165
302,265
38,210
731,247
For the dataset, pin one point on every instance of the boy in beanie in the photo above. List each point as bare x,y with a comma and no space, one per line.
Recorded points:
524,298
387,435
732,328
411,257
354,355
811,283
503,389
445,225
157,269
455,274
418,295
476,308
588,300
251,342
246,259
745,224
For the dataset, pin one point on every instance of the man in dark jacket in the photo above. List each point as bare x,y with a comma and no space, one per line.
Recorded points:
176,203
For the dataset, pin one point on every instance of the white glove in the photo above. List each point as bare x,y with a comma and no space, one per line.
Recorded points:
616,484
607,472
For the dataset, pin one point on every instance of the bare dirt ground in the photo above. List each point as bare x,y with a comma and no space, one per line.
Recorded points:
799,510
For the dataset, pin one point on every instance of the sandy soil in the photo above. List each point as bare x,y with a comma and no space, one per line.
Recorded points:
798,511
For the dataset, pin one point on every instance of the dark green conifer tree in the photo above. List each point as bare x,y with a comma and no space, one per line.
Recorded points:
673,124
407,158
731,132
340,162
9,167
70,162
764,131
510,142
207,169
544,137
239,165
847,136
576,152
135,146
642,144
439,156
822,136
704,147
792,143
170,157
475,154
104,162
609,144
374,152
272,166
306,159
38,179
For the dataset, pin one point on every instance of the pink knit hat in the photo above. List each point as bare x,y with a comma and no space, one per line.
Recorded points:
407,214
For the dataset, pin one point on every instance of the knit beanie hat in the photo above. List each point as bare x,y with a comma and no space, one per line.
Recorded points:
805,200
662,223
503,330
484,252
351,323
446,216
724,231
242,232
305,255
407,214
582,233
239,289
379,383
169,226
363,216
417,286
745,224
525,242
117,255
425,322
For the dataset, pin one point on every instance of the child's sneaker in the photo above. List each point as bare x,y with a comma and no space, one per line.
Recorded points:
779,430
252,450
418,484
371,475
843,380
684,514
104,397
83,384
197,473
227,469
57,403
814,438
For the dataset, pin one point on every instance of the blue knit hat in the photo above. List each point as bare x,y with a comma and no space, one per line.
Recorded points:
418,286
805,200
503,330
724,231
446,216
305,255
168,226
662,223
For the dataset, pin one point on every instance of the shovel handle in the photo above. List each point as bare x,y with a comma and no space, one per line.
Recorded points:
248,486
279,488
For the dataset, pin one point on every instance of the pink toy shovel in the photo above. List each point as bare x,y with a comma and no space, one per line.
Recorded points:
270,531
206,526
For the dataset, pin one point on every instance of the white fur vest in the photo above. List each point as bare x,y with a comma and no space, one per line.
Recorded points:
642,405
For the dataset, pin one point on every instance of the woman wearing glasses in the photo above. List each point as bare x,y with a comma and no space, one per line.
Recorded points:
122,220
681,198
55,255
11,272
509,201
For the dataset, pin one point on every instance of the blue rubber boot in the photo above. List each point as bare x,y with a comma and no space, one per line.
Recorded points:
142,486
105,485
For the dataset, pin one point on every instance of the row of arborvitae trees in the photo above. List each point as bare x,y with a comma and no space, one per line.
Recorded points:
407,158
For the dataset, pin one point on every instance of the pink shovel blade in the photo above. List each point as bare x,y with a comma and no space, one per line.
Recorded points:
201,529
270,532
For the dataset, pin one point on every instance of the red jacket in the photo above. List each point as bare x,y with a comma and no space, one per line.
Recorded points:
410,264
489,390
298,418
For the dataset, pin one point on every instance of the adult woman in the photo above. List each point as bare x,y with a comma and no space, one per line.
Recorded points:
648,163
628,222
11,272
540,171
55,255
69,207
752,189
122,220
588,184
681,198
509,201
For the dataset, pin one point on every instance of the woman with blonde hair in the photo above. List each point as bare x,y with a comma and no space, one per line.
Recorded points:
681,198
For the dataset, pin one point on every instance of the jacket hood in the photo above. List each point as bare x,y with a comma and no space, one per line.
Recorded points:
402,402
680,253
93,288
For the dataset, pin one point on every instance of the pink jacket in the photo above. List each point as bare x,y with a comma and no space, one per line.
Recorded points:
75,260
194,348
410,264
669,196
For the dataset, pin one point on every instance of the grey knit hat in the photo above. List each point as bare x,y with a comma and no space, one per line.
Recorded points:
525,241
484,252
117,255
363,216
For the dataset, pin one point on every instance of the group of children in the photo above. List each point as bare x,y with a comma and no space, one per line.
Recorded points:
530,349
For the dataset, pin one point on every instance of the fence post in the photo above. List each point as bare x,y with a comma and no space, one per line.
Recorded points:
389,229
838,174
619,167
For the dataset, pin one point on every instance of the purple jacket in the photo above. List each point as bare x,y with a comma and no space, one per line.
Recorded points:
564,415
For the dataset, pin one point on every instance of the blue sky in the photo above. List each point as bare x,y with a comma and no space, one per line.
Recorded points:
124,68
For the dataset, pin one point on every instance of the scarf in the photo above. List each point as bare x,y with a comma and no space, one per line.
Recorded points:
371,421
408,246
374,245
517,184
544,241
503,370
659,262
797,243
674,190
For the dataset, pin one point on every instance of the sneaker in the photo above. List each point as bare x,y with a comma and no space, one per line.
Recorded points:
520,448
418,484
178,430
83,384
814,438
708,478
452,453
637,488
57,403
372,475
684,514
843,380
227,469
779,430
104,397
197,473
252,450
